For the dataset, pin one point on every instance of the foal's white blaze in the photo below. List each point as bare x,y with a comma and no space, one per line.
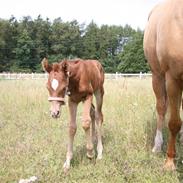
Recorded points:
54,84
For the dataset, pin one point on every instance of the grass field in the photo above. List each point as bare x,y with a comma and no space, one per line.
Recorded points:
34,144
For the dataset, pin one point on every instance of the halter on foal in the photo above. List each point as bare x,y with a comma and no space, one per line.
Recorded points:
80,79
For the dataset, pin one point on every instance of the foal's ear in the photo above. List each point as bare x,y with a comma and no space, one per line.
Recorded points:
46,66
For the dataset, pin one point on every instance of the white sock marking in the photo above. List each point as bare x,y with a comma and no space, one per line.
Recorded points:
158,141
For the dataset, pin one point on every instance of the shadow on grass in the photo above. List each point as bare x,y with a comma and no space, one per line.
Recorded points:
179,158
80,153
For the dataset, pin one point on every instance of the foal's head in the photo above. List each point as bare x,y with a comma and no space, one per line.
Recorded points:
56,85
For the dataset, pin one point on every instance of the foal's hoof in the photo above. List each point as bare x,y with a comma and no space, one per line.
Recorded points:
66,171
156,149
169,164
99,157
90,154
66,168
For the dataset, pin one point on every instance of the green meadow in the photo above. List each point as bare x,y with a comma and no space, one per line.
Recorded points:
34,144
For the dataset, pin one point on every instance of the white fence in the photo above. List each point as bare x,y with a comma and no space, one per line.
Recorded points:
14,76
23,75
122,75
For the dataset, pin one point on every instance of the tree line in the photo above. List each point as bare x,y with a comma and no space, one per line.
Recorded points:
24,43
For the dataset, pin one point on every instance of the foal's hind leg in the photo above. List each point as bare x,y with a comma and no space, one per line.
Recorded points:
159,88
99,119
87,125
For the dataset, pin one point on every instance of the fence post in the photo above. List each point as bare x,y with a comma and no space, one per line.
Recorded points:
140,75
32,75
20,75
116,76
9,76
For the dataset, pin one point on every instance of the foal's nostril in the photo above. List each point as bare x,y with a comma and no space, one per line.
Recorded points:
58,113
55,114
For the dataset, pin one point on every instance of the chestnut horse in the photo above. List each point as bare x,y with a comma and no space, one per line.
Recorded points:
80,79
163,48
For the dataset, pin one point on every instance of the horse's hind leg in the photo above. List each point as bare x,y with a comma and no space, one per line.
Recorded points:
99,119
174,95
158,82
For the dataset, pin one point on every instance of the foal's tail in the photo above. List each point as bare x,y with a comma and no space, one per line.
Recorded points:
92,112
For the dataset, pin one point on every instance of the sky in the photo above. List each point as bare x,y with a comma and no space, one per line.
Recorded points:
110,12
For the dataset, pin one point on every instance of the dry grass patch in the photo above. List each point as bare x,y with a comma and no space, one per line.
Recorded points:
31,143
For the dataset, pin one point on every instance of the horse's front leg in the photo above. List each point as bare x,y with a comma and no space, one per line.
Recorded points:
86,124
72,132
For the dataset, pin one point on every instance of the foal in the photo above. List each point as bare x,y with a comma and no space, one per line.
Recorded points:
80,80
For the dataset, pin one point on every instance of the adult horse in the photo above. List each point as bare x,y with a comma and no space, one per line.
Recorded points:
80,79
163,45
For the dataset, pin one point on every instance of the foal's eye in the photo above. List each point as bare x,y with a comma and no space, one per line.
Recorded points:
62,90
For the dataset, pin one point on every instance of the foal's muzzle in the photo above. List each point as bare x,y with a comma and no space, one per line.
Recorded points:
56,102
55,114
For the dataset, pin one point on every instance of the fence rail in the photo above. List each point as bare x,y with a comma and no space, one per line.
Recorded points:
23,75
16,76
122,75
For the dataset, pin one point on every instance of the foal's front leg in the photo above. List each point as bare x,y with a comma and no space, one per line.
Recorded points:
72,132
86,123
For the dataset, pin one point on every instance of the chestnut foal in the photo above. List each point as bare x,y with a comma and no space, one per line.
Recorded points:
80,80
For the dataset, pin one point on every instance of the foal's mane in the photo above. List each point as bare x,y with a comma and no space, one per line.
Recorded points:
56,67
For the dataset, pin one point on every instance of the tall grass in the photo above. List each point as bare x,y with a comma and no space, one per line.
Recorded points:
32,143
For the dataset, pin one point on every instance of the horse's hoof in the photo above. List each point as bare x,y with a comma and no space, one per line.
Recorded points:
169,164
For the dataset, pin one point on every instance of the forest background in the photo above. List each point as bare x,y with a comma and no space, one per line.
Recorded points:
24,43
